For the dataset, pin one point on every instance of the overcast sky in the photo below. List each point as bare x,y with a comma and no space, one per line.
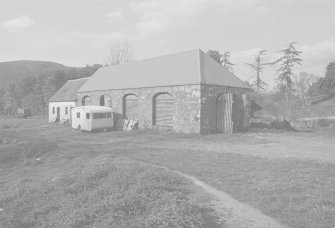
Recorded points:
79,32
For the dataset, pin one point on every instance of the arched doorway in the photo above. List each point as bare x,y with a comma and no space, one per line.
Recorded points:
163,109
130,106
105,100
86,101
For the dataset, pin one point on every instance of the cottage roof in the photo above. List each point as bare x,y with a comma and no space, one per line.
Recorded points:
186,68
68,92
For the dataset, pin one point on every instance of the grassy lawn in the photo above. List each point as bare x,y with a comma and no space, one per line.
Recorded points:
45,182
57,177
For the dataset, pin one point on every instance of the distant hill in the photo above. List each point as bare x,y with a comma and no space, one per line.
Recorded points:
34,82
15,71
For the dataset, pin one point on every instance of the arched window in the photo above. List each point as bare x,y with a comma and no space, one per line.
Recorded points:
86,100
163,109
130,106
105,100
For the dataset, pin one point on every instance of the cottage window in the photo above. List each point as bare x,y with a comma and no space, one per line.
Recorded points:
87,116
53,110
66,110
78,115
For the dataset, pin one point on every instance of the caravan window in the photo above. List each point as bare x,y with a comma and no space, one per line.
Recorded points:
78,115
99,115
87,116
53,110
66,110
103,115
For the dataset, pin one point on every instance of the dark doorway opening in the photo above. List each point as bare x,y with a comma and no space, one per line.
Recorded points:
58,114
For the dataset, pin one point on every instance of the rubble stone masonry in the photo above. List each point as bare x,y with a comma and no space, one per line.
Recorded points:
195,106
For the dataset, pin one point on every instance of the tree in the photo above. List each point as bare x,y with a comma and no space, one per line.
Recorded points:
119,53
330,78
324,86
330,70
290,58
257,67
2,100
12,93
226,62
303,82
221,59
215,55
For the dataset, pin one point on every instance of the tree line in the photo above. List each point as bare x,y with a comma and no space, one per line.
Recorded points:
290,86
35,92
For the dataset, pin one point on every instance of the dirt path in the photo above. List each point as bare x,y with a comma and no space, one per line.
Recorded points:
231,211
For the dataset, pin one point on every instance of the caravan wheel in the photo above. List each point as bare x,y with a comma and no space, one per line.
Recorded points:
79,128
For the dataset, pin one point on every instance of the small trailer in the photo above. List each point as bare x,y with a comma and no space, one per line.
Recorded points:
23,112
90,118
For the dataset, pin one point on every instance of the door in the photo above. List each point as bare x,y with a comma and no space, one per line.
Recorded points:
224,123
220,113
71,114
164,110
58,114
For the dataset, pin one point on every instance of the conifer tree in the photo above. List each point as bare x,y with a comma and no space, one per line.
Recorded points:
257,67
286,63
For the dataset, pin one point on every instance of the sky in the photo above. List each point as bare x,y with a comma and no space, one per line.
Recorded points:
80,32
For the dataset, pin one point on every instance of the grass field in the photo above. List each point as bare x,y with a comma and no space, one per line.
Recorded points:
52,176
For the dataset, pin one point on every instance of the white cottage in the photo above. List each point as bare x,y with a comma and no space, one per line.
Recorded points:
61,103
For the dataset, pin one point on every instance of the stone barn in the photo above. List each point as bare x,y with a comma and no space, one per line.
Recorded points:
187,92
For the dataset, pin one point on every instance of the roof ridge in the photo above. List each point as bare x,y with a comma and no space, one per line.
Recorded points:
78,79
152,58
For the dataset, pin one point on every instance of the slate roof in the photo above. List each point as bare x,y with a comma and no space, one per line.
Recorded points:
68,92
187,68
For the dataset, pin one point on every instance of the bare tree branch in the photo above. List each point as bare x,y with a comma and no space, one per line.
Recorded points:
120,52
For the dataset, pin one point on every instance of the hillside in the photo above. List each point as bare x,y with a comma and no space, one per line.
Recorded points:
34,82
15,71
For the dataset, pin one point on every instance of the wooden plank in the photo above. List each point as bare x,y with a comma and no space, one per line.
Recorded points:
164,110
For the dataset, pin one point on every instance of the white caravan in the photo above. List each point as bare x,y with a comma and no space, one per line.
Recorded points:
89,118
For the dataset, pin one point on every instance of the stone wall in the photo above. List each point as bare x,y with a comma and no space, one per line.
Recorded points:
241,109
186,104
